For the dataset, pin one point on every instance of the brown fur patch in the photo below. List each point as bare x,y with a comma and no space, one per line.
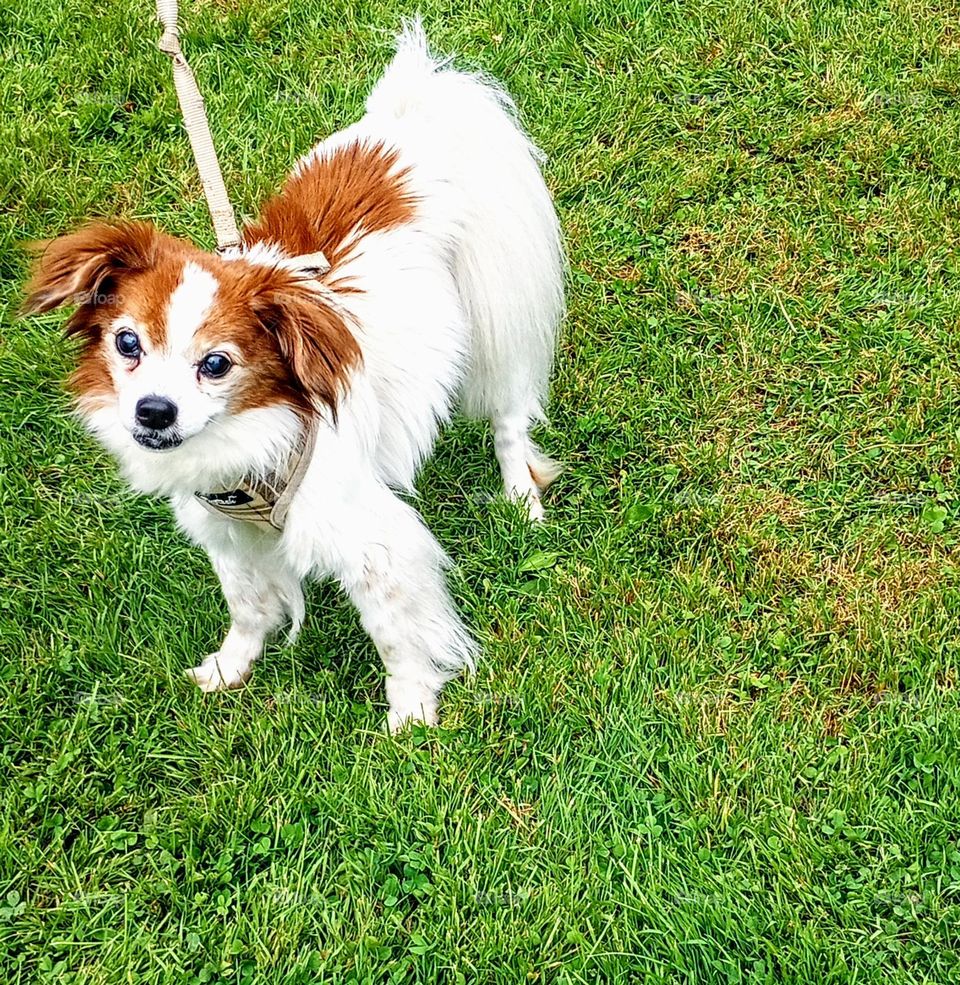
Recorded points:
295,348
82,268
146,296
98,269
356,186
107,270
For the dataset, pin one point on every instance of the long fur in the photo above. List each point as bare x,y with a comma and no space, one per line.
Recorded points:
446,288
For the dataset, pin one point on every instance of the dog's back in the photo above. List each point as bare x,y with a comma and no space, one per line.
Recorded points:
509,254
463,299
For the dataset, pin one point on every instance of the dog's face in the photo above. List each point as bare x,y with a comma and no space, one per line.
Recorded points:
165,356
174,340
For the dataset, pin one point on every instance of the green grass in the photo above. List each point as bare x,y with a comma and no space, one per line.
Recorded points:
714,735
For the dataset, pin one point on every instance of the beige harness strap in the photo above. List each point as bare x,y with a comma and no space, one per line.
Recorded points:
198,130
313,264
265,500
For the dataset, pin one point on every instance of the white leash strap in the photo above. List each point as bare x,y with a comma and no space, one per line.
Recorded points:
198,130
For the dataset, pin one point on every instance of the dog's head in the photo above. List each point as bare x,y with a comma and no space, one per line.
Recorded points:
174,339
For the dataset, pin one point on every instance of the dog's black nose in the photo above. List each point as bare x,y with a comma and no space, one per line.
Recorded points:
156,412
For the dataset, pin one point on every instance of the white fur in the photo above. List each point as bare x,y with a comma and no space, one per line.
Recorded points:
189,306
463,303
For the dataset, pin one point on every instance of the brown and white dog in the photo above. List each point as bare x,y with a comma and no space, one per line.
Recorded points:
280,409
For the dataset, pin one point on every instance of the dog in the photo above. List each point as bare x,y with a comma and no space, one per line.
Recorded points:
283,395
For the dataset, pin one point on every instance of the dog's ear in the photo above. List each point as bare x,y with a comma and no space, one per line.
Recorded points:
76,268
313,338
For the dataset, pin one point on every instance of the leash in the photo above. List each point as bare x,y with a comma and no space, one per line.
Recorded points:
198,130
261,500
313,265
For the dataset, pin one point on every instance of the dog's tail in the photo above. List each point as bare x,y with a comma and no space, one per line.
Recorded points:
408,84
508,257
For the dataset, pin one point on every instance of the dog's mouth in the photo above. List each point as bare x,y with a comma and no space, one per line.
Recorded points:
157,440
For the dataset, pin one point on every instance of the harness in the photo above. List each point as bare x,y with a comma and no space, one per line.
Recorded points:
265,500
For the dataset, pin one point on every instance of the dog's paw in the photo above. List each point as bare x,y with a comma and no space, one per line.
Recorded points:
217,673
528,500
398,718
534,508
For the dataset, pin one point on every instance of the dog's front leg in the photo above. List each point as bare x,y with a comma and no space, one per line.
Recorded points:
392,569
261,592
400,594
256,610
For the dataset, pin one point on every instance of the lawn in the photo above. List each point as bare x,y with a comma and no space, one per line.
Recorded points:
714,735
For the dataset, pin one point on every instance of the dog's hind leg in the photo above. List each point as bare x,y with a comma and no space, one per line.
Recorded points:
508,260
525,469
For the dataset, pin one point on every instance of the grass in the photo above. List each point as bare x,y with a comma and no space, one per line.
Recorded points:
714,735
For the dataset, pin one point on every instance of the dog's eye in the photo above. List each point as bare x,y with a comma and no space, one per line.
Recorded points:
128,344
215,365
